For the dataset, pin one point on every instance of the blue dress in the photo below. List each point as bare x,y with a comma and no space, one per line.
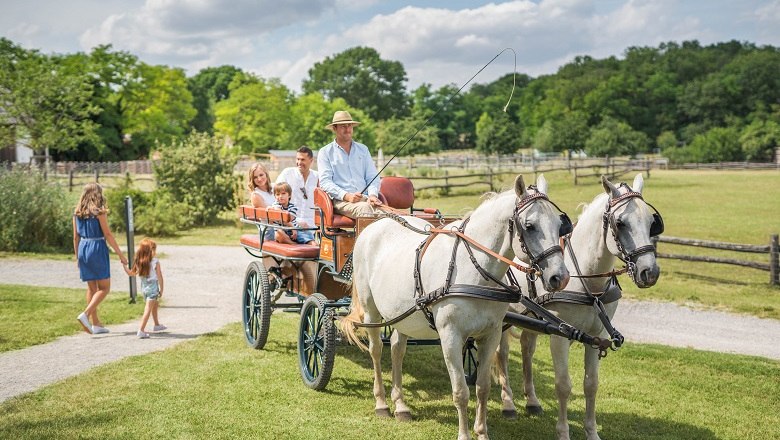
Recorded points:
93,250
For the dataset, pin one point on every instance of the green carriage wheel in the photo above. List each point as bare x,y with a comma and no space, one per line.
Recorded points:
256,305
316,342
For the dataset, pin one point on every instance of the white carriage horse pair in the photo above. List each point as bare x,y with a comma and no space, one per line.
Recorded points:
383,286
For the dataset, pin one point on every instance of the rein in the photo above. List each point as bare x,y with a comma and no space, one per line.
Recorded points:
609,222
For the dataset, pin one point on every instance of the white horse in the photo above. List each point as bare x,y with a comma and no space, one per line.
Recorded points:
384,288
615,225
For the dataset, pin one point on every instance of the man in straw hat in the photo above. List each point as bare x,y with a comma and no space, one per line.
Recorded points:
345,168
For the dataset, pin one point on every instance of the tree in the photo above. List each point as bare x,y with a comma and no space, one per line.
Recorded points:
570,132
720,144
159,108
759,140
363,80
393,134
256,116
112,75
497,135
208,87
615,138
45,105
310,114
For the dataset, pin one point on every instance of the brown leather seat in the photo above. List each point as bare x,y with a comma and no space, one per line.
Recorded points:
280,249
398,192
331,219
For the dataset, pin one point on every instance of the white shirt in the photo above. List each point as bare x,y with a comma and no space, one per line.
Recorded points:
268,197
293,176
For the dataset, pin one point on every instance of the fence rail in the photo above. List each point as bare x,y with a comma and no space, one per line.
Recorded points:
773,249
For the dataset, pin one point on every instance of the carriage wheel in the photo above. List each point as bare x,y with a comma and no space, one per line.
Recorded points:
470,362
316,342
256,305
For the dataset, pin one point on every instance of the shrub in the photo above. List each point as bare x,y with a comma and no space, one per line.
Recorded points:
116,204
194,172
35,214
161,215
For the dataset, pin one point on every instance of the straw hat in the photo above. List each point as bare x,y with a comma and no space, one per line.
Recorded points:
342,117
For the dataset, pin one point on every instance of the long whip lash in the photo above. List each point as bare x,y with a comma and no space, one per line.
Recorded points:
449,98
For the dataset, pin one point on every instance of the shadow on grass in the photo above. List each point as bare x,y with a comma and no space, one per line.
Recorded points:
710,279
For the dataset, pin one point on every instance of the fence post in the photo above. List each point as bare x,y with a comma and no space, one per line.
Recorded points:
647,167
97,175
774,261
70,180
490,176
575,175
446,183
130,245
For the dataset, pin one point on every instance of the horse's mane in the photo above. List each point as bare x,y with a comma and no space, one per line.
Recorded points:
486,198
598,201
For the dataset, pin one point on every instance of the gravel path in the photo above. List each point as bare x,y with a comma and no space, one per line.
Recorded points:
202,289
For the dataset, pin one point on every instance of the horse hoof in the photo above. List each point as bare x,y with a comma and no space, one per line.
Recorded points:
382,412
534,410
509,414
403,416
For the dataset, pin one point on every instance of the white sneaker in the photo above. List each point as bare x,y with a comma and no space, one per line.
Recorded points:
142,335
159,328
84,321
97,330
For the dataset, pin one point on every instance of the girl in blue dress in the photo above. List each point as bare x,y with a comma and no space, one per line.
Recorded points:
91,237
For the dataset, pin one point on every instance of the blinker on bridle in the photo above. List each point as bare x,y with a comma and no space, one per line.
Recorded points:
565,228
656,228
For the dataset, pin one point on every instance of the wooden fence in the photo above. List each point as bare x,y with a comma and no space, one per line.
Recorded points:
773,249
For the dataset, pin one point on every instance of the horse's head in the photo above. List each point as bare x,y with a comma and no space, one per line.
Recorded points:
632,222
538,225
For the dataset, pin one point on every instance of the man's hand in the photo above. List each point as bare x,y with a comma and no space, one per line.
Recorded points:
353,197
374,201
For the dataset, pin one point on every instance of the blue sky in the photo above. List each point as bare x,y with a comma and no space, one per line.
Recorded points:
438,42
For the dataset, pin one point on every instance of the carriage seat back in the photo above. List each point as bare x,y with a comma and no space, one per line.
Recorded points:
398,192
330,219
272,216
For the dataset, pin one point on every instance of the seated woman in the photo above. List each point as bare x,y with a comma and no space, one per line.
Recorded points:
259,185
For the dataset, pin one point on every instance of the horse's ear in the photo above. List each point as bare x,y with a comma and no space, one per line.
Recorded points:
541,184
520,186
639,183
609,188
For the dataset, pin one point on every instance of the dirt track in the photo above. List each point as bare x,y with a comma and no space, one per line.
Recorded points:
203,285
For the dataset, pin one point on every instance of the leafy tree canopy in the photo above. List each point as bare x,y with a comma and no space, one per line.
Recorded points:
363,80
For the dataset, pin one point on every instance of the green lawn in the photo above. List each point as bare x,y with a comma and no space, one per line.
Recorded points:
217,387
36,315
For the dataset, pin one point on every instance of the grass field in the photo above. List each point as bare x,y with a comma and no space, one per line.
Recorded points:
36,315
217,387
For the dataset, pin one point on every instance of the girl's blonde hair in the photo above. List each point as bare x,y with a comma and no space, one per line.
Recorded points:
251,177
142,261
91,202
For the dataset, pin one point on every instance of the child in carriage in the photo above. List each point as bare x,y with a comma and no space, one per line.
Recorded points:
282,193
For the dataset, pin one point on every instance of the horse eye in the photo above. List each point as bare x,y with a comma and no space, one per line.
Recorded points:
528,227
619,223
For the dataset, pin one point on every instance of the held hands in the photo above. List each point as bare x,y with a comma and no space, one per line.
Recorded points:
123,260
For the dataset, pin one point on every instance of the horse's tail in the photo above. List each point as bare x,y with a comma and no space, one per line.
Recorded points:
355,316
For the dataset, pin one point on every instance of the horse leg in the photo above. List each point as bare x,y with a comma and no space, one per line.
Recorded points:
452,348
375,349
591,386
559,347
508,409
397,352
528,347
487,347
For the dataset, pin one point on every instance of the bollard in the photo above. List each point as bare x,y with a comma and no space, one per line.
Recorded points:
130,244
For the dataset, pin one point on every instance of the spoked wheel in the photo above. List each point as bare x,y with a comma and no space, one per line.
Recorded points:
470,362
316,342
256,305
